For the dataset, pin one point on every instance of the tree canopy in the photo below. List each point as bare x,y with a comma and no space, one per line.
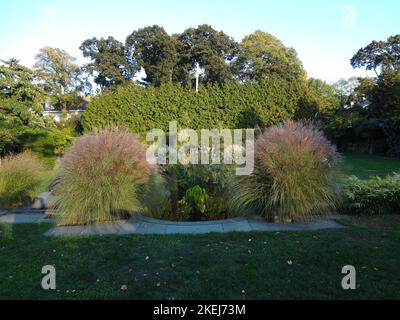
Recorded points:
110,63
20,97
380,56
213,50
319,100
58,70
263,56
17,81
60,75
383,94
173,58
154,50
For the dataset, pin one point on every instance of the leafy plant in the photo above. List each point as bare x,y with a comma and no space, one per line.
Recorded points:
374,196
19,179
214,179
293,174
196,198
100,176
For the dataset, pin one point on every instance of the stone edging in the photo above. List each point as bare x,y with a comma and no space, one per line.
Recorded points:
139,224
145,225
186,223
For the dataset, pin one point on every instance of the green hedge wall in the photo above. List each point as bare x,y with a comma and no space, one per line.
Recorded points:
232,105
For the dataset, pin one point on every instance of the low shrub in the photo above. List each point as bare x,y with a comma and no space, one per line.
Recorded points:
293,174
19,179
165,194
374,196
214,179
100,176
45,143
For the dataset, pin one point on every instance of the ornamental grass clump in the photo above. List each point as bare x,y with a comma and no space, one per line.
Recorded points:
293,178
19,179
100,177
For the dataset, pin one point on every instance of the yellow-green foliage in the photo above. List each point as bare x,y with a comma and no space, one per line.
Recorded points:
154,197
19,179
293,177
99,177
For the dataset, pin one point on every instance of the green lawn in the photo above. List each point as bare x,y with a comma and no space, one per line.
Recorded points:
365,166
259,265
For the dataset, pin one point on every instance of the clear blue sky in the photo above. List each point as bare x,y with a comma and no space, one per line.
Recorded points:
325,33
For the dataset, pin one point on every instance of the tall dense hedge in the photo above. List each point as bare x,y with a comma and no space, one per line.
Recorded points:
232,105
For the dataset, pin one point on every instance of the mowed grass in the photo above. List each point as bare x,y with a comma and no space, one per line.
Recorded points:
262,265
365,166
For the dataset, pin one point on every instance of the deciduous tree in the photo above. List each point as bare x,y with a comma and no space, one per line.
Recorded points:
380,56
154,50
110,63
213,50
61,76
263,56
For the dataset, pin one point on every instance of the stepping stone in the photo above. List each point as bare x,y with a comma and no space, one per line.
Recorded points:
45,200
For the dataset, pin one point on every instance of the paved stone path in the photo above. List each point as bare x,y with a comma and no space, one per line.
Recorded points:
145,225
16,218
